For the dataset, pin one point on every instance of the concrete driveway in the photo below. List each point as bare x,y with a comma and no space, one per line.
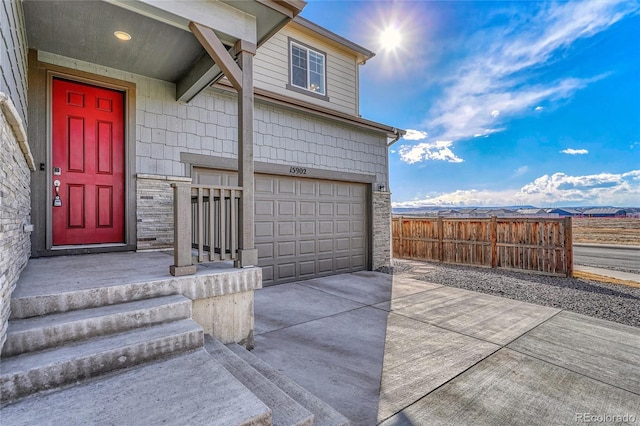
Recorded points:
398,351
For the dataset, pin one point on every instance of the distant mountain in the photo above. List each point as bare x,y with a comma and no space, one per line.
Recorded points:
399,210
434,210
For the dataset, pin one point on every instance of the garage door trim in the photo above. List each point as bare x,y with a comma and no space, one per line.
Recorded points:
231,164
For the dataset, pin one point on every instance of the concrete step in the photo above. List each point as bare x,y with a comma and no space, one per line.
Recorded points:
187,389
285,411
45,286
324,414
25,374
38,333
27,306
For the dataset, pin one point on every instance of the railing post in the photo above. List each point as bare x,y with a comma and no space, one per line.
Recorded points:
247,254
183,264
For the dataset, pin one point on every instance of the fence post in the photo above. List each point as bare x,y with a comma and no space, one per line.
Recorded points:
400,242
440,239
494,242
568,245
183,264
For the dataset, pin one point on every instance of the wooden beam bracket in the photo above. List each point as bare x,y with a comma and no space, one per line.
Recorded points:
214,47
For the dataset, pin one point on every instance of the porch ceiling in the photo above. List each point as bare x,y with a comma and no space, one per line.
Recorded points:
161,44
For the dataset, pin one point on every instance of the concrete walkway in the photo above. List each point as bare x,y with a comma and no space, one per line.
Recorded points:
398,351
620,275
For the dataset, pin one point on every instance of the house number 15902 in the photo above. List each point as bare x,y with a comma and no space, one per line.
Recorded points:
298,170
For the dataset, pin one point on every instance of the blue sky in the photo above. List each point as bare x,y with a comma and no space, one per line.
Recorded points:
505,103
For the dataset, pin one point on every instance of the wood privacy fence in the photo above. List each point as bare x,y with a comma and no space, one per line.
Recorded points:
541,245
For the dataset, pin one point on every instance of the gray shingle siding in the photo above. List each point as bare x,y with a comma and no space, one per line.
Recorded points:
13,55
281,136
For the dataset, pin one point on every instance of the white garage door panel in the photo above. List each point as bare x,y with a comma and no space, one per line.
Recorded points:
304,228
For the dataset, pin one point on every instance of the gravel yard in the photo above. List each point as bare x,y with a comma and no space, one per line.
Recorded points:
613,302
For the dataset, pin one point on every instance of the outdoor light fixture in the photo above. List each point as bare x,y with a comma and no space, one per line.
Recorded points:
121,35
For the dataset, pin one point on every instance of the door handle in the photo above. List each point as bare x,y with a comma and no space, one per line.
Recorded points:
57,201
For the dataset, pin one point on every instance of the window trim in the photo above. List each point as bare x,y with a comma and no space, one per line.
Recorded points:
303,90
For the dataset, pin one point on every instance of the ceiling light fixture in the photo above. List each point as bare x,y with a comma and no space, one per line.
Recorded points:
121,35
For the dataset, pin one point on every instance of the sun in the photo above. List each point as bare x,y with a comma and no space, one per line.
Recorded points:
390,38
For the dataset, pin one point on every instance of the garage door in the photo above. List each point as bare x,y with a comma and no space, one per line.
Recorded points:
304,228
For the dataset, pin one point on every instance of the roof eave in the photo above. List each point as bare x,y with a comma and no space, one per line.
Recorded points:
285,101
362,53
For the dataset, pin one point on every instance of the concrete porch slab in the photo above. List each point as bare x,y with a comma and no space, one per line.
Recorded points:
65,283
485,317
603,350
290,304
509,388
59,274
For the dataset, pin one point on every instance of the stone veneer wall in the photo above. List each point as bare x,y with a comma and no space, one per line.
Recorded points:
155,210
15,205
16,161
381,230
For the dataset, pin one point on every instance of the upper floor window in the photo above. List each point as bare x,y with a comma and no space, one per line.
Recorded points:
307,69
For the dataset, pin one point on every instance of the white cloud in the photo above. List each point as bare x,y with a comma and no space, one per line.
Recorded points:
439,150
538,108
486,132
500,75
461,198
572,151
414,135
520,171
622,189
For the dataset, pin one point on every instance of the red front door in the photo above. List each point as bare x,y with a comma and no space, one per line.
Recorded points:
88,164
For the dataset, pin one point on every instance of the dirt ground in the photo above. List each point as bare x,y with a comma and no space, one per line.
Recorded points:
625,231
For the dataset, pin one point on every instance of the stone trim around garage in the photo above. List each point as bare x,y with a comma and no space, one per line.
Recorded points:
381,253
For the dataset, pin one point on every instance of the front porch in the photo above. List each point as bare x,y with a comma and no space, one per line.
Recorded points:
118,325
222,296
